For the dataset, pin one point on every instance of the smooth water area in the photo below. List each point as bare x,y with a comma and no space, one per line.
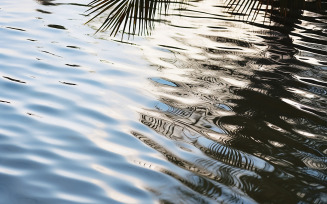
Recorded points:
207,109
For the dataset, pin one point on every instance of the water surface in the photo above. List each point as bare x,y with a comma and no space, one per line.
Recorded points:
207,109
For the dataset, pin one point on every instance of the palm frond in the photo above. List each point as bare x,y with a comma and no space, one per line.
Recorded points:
138,16
283,7
134,16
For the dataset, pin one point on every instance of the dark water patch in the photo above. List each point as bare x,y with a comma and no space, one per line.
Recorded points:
217,28
51,53
314,82
68,83
229,48
172,47
43,11
18,29
221,51
312,49
60,27
73,65
46,2
2,101
316,41
14,80
74,47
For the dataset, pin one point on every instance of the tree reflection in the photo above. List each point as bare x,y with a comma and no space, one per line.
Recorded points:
265,138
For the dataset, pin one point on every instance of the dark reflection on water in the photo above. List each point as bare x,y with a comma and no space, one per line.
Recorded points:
258,123
46,2
208,109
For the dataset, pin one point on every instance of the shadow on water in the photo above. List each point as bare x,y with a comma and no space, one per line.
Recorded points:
255,130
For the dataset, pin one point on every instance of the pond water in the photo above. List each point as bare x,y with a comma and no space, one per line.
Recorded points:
207,109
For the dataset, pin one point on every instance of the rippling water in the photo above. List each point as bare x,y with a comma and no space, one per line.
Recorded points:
207,109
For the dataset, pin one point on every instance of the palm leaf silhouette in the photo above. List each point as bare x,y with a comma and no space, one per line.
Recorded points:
134,16
252,7
138,16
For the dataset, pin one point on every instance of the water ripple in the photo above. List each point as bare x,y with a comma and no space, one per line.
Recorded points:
209,109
